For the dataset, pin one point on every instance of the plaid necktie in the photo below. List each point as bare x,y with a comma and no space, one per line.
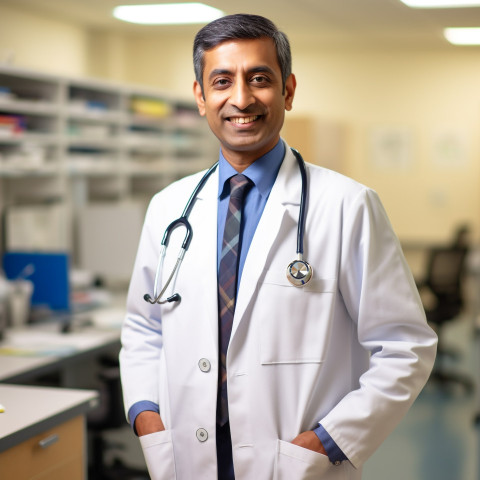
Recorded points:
227,283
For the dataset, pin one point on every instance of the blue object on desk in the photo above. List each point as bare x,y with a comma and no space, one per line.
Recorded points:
49,273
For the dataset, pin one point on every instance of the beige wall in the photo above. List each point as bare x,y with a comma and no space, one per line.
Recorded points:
39,42
428,94
157,61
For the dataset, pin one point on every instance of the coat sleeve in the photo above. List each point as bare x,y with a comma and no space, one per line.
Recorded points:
142,328
381,297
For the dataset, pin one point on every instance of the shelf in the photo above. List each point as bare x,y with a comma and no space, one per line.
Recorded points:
93,143
29,138
146,173
98,116
28,107
144,121
91,172
84,140
12,172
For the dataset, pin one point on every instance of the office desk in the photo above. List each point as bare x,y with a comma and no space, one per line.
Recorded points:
42,432
29,352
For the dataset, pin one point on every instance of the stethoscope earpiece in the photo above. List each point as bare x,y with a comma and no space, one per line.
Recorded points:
148,298
174,298
299,272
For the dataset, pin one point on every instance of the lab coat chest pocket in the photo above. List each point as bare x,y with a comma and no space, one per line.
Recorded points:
296,321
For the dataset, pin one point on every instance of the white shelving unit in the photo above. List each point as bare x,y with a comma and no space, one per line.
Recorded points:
81,141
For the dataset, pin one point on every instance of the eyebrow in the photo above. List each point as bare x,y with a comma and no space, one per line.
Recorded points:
258,69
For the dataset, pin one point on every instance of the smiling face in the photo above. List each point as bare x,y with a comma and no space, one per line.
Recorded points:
243,98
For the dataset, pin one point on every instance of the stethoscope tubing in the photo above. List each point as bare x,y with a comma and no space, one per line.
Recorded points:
183,221
303,201
200,185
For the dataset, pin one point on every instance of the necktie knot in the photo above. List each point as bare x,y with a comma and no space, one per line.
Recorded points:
238,185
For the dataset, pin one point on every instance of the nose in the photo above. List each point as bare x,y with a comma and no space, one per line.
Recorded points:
241,95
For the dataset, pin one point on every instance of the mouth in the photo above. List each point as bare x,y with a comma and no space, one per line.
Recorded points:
243,120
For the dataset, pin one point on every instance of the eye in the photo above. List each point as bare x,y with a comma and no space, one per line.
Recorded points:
259,80
221,83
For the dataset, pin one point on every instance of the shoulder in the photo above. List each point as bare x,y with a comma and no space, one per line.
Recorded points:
185,184
335,185
331,193
179,190
170,202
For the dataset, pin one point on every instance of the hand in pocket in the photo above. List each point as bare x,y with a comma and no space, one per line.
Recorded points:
310,441
148,422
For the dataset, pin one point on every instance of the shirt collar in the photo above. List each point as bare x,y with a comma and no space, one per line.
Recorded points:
262,172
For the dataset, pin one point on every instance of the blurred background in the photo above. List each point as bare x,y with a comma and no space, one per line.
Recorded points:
96,115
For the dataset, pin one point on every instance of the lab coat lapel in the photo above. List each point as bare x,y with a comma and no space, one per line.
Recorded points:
286,191
205,231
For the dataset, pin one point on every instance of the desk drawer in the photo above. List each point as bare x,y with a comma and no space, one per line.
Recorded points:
56,454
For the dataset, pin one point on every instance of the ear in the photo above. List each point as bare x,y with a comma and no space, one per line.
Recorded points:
290,86
199,98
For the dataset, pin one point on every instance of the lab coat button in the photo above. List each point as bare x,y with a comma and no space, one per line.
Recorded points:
202,435
204,365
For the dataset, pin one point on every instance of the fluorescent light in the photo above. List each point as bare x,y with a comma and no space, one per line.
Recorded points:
441,3
167,13
463,36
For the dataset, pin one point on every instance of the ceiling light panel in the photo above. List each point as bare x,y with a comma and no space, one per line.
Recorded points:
463,36
441,3
167,13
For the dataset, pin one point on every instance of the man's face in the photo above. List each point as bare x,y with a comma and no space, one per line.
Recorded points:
243,99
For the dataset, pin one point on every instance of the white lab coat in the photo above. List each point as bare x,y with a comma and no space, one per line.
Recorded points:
351,349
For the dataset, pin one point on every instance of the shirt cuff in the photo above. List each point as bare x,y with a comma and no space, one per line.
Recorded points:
139,407
335,455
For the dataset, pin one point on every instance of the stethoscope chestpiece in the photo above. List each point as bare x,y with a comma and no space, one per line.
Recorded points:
299,273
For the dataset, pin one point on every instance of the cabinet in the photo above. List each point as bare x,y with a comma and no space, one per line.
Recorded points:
55,454
76,141
43,434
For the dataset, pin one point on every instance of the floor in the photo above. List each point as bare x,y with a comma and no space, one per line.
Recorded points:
438,439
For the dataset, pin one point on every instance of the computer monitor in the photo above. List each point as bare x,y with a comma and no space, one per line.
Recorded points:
108,236
49,273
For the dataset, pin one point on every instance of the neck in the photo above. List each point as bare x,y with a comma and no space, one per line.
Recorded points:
240,164
241,160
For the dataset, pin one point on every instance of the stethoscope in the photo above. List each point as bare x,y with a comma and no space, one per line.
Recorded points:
299,272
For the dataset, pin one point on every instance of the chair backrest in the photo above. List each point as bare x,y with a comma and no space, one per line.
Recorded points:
445,272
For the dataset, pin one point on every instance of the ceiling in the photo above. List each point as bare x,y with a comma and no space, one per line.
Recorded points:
333,22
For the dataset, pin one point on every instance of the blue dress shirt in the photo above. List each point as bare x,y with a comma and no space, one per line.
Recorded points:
262,173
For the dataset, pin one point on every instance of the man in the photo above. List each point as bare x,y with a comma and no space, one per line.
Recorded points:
298,382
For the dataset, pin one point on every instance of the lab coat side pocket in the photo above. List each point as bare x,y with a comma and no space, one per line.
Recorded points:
158,452
294,462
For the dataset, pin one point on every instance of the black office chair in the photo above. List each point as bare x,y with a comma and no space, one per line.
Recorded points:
444,280
109,415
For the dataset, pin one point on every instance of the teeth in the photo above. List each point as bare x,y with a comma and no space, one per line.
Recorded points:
243,119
